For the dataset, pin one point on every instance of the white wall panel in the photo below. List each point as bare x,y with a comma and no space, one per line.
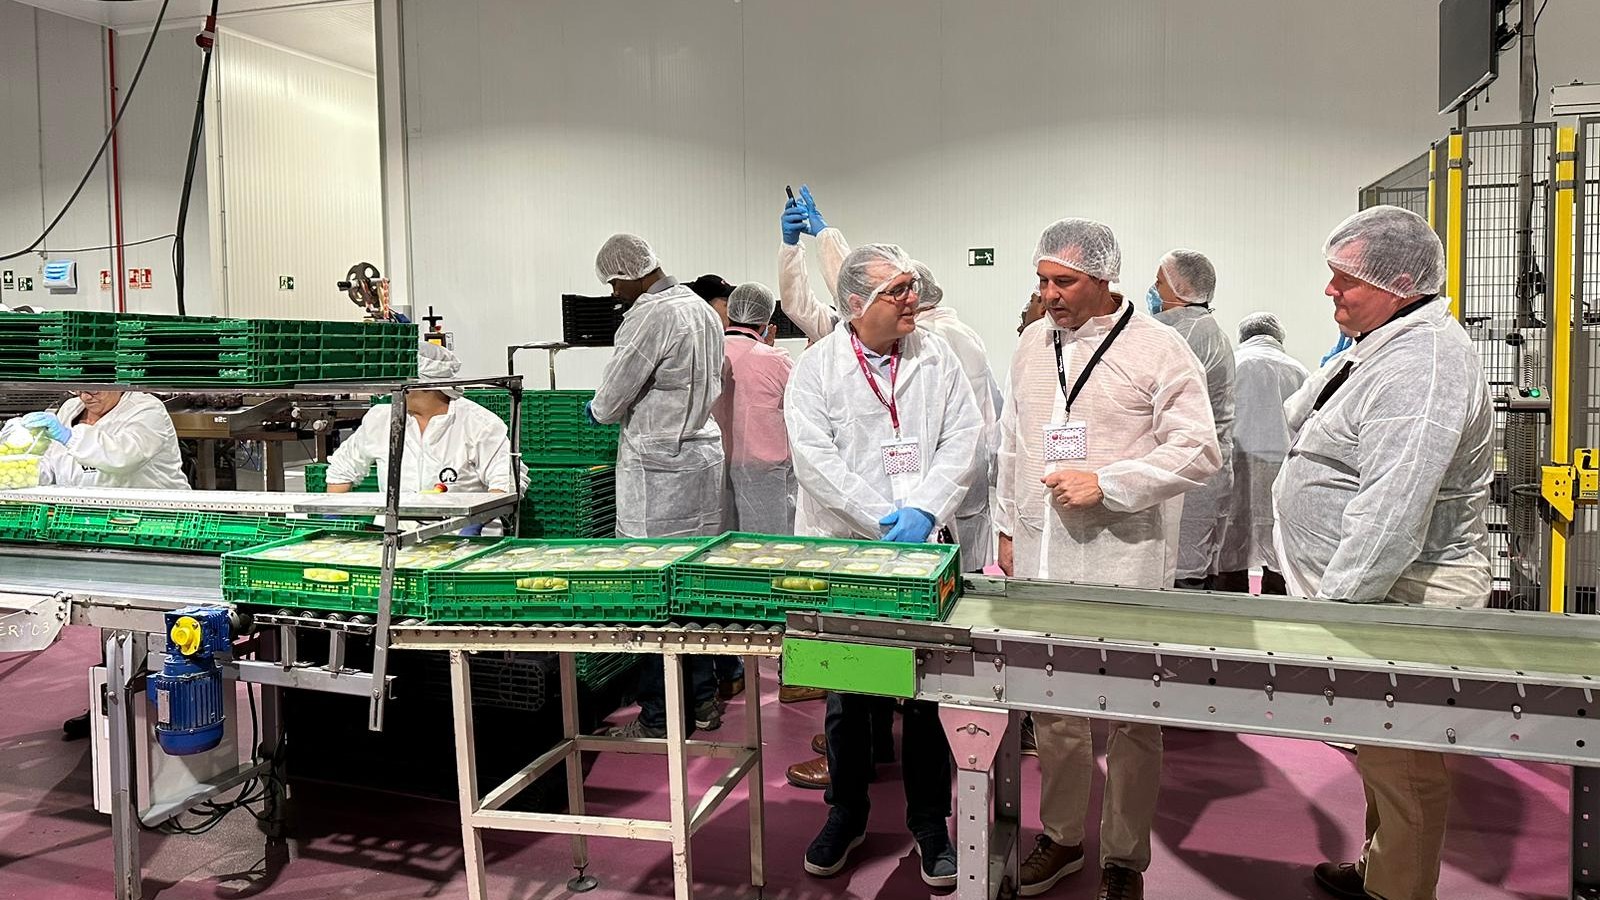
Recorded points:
299,178
1243,129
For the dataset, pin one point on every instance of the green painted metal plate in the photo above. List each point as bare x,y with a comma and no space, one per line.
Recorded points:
850,668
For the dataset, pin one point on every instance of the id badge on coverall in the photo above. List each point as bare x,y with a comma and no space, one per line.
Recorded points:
902,462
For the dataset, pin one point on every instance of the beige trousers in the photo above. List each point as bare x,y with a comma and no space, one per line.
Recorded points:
1408,803
1133,779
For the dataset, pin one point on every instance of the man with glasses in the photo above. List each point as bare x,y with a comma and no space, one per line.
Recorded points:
110,439
883,431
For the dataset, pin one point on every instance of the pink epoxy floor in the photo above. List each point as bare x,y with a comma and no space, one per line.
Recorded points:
1240,818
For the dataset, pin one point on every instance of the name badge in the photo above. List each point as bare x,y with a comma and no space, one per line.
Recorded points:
902,456
1066,441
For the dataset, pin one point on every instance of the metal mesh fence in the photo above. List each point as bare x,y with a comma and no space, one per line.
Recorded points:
1584,548
1405,187
1508,324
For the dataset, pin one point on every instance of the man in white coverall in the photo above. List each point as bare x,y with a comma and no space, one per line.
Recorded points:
1106,420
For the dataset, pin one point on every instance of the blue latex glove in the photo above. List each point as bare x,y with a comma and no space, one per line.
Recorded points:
588,413
1344,343
794,222
907,525
473,530
814,221
59,432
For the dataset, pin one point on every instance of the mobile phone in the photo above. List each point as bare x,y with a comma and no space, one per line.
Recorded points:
789,190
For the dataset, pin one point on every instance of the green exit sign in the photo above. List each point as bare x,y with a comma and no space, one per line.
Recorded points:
285,282
980,256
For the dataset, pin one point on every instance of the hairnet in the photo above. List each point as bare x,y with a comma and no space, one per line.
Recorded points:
1191,275
1081,244
435,363
751,303
624,257
857,279
1258,323
1389,248
931,294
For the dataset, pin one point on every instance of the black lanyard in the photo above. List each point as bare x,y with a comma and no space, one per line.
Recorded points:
743,334
1094,360
1343,375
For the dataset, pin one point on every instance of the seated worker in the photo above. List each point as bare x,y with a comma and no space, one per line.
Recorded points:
110,439
450,441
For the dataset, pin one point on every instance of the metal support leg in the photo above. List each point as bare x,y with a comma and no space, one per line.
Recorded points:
677,778
581,882
466,771
755,778
1585,834
122,660
1008,807
983,857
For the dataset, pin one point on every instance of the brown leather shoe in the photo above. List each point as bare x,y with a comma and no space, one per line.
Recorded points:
793,694
1117,883
1047,864
728,690
819,744
811,774
1342,880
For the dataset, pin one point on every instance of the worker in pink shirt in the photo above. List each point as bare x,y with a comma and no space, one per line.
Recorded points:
761,482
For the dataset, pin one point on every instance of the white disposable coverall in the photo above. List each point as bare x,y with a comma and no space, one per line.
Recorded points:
1205,510
133,446
837,428
663,378
1150,439
468,449
973,523
1383,492
1264,378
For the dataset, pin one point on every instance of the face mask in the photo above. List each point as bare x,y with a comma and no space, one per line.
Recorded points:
1153,300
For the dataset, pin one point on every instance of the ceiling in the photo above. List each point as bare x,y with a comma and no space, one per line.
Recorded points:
337,30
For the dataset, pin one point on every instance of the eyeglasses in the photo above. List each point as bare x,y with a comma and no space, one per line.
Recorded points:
899,293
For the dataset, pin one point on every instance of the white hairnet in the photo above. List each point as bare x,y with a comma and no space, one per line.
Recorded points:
1191,275
931,294
857,279
751,303
624,257
1081,244
1389,248
1258,323
435,363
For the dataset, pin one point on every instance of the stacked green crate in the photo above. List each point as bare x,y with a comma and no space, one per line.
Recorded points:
760,578
317,479
340,573
177,530
596,670
22,521
570,502
60,346
261,352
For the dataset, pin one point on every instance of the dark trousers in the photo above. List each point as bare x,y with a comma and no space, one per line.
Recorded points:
1239,583
1196,584
728,668
924,758
700,687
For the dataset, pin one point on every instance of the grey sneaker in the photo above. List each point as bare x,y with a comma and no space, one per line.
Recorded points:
938,858
637,729
708,716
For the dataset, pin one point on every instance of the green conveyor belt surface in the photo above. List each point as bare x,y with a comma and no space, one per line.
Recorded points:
1425,644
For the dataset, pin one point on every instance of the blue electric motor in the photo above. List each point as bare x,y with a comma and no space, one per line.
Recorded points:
188,690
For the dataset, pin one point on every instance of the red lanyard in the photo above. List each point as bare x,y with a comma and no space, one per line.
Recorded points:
872,382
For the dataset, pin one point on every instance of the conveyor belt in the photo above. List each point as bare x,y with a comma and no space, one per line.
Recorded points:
1456,645
90,572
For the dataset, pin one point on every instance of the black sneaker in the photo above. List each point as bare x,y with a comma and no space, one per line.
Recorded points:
75,728
708,716
830,849
938,858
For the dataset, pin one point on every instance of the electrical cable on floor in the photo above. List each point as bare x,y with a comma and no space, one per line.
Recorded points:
257,790
104,143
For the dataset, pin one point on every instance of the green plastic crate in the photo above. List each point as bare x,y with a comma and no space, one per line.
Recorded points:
548,529
317,479
249,578
556,433
596,670
580,595
178,531
741,592
22,521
